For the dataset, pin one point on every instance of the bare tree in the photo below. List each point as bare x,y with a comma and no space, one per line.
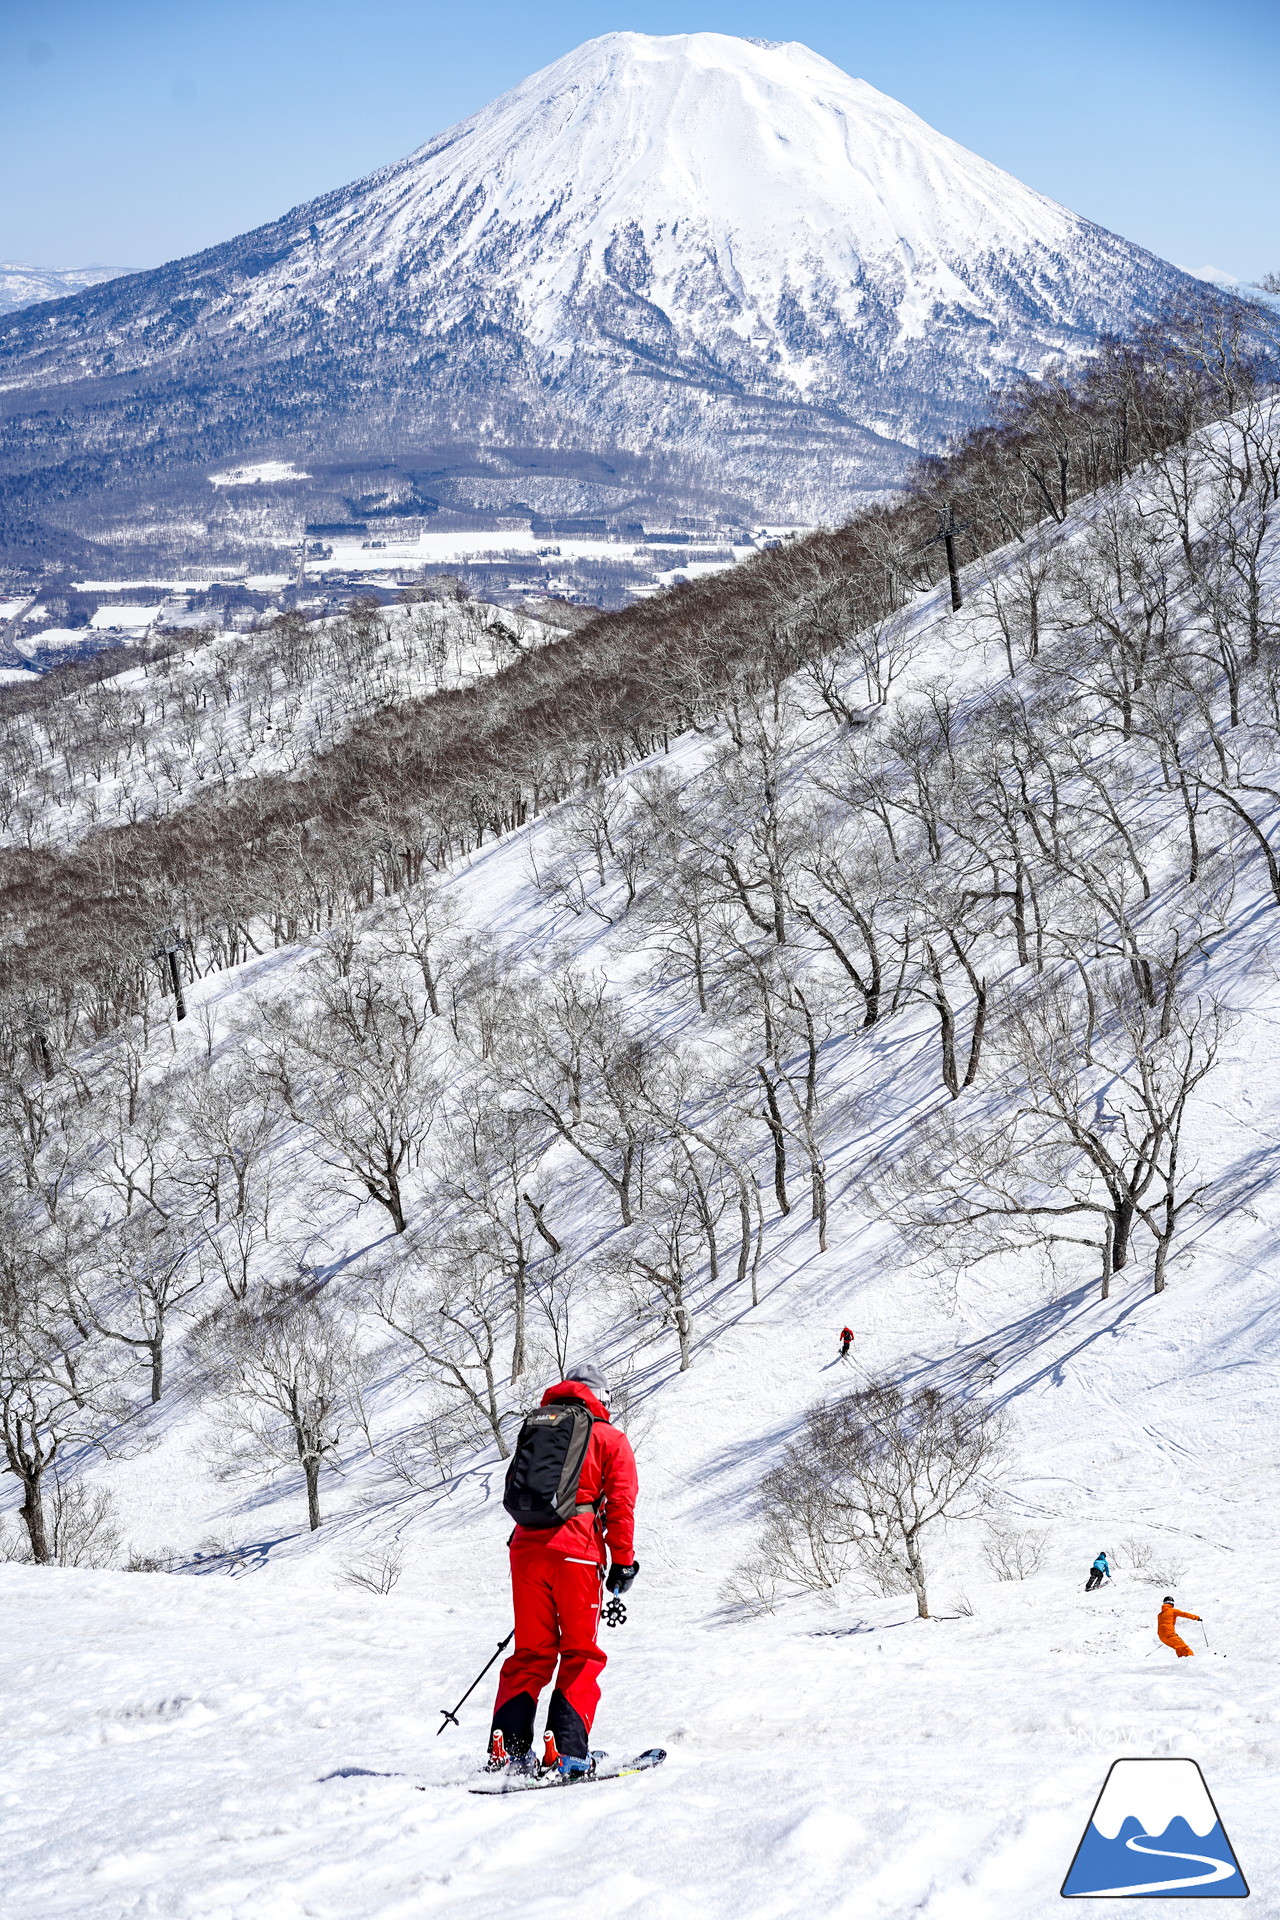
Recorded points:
359,1076
57,1394
559,1284
884,1465
667,1248
228,1123
1020,594
1079,1138
843,887
597,836
753,826
281,1367
786,1007
488,1162
138,1274
1014,1553
868,647
452,1308
570,1054
421,928
703,1118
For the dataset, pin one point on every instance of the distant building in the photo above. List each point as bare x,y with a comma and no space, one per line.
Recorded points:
124,619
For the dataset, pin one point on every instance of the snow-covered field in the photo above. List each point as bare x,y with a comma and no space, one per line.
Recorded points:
450,549
265,473
251,1738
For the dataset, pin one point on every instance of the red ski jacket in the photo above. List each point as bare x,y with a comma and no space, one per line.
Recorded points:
609,1469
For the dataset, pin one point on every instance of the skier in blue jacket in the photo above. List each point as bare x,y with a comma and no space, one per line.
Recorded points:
1098,1572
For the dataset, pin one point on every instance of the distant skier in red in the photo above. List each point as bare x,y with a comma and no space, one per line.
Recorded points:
556,1572
1169,1633
846,1341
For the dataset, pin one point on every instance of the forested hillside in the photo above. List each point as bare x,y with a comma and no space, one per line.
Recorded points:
801,946
136,733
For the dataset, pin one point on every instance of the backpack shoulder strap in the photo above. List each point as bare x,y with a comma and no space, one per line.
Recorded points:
590,1506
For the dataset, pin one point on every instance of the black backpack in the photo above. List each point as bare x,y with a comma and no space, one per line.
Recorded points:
542,1479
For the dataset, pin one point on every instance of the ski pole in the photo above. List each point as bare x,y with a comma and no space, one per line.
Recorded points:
1207,1647
474,1684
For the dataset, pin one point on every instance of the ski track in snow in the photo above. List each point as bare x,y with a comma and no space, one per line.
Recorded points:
172,1740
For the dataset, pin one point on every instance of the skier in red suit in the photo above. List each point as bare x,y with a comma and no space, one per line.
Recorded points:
556,1577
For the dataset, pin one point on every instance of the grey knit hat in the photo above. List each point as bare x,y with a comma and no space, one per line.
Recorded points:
591,1376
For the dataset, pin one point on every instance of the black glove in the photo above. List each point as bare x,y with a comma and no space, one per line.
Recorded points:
618,1579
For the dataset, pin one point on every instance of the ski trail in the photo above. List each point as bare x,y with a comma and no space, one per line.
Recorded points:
1221,1870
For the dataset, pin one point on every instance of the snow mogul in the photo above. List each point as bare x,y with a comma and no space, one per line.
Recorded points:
571,1489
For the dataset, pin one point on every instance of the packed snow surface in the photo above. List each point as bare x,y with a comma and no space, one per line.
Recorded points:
264,1747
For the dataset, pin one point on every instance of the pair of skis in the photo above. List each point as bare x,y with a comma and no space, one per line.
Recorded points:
508,1781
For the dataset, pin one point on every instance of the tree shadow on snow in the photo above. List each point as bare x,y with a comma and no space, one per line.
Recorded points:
1078,1316
239,1559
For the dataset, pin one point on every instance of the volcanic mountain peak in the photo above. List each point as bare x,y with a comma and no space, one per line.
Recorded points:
636,158
745,282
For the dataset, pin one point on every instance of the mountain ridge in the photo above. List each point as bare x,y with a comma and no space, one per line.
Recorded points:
22,285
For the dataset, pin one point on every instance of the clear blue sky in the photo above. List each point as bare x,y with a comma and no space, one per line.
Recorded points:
132,131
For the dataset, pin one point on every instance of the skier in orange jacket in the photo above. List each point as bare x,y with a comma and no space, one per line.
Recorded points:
1169,1633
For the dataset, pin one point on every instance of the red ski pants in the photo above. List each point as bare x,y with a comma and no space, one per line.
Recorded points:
557,1608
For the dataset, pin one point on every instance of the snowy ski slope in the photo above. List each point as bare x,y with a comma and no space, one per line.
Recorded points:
254,1740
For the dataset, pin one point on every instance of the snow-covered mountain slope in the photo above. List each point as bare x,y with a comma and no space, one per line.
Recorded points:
252,1736
145,740
23,286
764,280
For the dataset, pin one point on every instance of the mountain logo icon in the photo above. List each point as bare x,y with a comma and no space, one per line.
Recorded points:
1155,1831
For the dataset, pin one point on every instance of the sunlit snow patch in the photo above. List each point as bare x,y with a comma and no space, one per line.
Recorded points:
266,473
1154,1831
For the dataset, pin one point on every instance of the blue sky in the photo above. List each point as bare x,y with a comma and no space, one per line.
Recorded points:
132,131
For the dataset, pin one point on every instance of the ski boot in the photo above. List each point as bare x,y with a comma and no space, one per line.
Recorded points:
568,1766
500,1761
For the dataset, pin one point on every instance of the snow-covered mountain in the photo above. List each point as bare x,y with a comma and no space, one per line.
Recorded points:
721,266
22,285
